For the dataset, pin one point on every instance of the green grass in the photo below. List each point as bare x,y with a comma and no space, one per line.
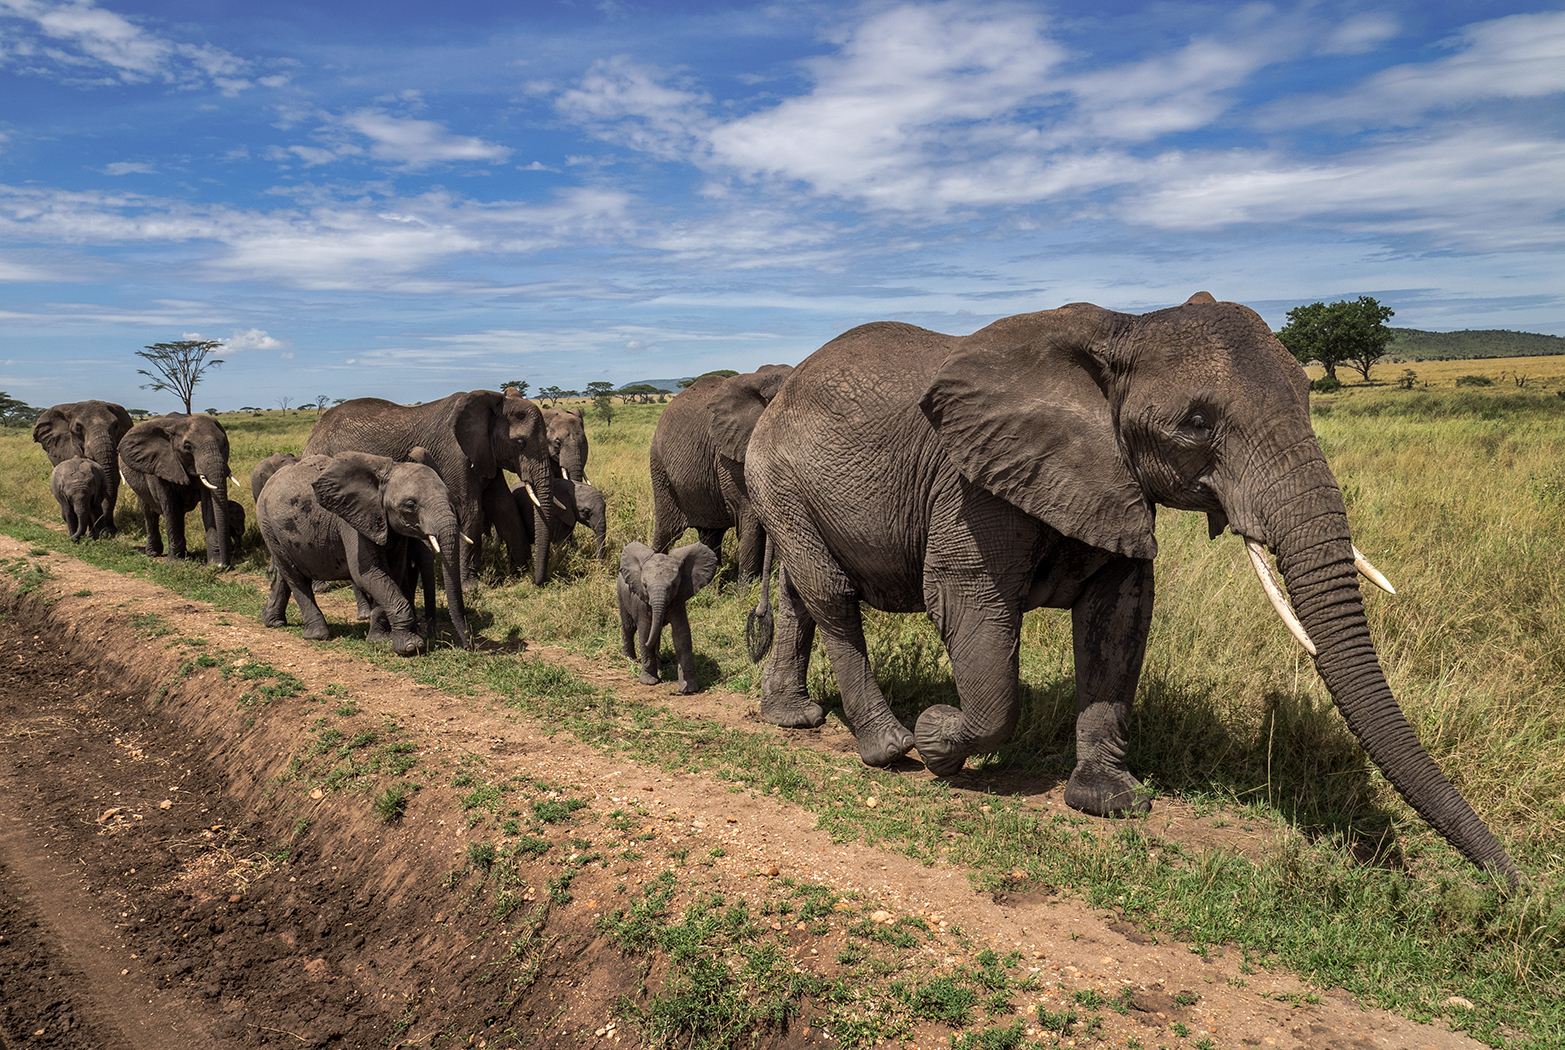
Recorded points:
1458,495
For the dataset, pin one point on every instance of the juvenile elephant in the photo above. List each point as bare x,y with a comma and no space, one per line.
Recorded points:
567,442
174,464
653,589
262,471
471,438
574,503
697,462
978,477
91,429
79,486
353,517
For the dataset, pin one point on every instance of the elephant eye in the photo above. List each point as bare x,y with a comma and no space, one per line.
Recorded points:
1197,424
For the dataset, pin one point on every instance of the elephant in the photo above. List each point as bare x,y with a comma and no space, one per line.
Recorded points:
92,429
354,516
574,503
470,437
976,477
174,464
80,486
262,471
697,462
567,442
653,589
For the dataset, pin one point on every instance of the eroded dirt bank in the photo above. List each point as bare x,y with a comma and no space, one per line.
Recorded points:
167,881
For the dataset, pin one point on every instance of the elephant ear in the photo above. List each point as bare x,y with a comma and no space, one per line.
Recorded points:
631,559
697,566
737,405
420,454
474,421
1022,409
149,449
350,487
54,432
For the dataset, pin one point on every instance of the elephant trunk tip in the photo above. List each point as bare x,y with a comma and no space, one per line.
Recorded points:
759,628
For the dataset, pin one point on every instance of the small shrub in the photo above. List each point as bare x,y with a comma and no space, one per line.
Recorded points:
481,855
1474,381
391,804
1326,385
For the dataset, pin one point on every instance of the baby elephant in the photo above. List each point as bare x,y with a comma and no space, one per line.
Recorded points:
80,487
653,589
575,502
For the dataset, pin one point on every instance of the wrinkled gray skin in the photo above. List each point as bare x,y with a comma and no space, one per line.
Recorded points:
653,589
353,517
91,429
471,437
567,442
697,463
978,477
574,503
79,487
174,464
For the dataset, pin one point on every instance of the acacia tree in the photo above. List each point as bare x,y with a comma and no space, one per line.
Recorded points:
178,366
519,384
1342,333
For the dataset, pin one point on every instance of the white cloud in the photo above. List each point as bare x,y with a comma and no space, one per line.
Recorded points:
418,143
77,36
253,339
128,167
1361,33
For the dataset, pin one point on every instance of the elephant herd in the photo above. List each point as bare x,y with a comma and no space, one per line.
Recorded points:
970,478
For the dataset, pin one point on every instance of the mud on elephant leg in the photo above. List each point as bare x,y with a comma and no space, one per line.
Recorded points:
785,693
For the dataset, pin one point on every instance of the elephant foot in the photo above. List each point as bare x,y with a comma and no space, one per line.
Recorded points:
647,678
799,714
316,632
881,747
275,621
937,737
686,688
1105,792
406,643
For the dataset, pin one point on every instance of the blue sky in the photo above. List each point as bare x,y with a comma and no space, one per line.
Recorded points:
407,199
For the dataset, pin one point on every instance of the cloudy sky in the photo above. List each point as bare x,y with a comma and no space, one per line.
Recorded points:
403,199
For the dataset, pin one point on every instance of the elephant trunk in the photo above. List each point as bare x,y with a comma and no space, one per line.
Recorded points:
451,545
102,451
1316,556
213,478
542,499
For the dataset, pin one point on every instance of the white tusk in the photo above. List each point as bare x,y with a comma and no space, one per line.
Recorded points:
585,480
233,481
562,506
532,495
1371,573
434,543
207,483
1275,596
467,539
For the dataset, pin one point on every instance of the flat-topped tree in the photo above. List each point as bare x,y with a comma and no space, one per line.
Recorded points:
178,366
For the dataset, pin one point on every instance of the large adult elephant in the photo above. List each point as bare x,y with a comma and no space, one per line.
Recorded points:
92,430
470,437
174,464
567,442
1018,467
697,462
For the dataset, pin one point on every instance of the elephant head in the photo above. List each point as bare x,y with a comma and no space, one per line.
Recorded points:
188,453
378,496
736,406
567,442
262,471
1086,419
92,430
508,431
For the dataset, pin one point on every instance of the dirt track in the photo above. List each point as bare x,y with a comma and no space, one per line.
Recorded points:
165,883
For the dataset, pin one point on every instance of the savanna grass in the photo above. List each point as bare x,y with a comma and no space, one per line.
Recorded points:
1458,496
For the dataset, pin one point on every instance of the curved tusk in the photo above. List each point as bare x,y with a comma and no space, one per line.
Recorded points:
233,481
433,543
1275,596
207,483
560,505
467,539
532,495
1371,573
585,480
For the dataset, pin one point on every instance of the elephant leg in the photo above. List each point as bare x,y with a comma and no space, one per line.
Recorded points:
752,546
175,519
391,614
684,651
668,521
149,518
362,605
785,692
1110,622
882,739
315,629
651,659
982,635
275,613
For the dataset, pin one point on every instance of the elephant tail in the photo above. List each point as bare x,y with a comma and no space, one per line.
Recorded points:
761,624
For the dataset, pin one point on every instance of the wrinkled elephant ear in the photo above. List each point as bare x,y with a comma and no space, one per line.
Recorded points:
1022,409
474,419
349,486
697,566
737,406
149,449
631,559
53,431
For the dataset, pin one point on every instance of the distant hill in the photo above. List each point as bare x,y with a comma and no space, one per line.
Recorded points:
1413,345
672,385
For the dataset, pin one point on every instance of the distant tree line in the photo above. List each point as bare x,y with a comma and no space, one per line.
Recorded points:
1414,345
